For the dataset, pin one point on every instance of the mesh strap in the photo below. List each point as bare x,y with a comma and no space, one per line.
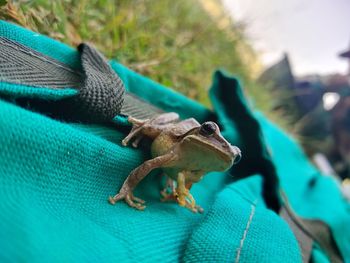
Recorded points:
22,65
101,91
138,108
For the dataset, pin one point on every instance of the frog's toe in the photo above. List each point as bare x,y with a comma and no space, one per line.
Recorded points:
129,199
194,208
136,141
139,200
126,140
197,209
114,199
200,209
135,130
111,200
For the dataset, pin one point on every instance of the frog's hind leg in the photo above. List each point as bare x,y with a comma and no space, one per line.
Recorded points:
169,191
184,197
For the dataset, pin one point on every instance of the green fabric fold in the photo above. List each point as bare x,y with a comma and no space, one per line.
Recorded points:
312,195
238,225
55,179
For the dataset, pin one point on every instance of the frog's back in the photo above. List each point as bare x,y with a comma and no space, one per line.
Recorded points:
171,135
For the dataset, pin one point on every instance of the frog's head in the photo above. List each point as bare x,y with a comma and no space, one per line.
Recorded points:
215,153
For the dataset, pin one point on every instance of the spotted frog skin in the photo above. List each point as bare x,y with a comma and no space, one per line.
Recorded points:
184,150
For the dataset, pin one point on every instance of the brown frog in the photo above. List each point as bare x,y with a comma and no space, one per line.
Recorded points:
185,150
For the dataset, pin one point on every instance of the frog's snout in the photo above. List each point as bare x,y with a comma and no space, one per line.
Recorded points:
237,155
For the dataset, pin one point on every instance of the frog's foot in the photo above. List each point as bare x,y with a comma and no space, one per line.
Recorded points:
169,192
137,122
136,141
197,209
134,133
137,126
129,198
186,199
168,196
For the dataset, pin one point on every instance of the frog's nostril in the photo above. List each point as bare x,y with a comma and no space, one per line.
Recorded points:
237,158
237,154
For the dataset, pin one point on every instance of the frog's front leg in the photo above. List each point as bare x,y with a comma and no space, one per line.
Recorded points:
136,129
126,192
150,127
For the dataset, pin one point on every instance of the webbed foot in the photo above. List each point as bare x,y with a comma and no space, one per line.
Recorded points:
129,198
169,192
185,199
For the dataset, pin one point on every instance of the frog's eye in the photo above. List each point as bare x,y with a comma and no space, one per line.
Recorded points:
207,128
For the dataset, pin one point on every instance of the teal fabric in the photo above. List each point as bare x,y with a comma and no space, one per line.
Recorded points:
311,194
318,256
19,91
260,235
55,179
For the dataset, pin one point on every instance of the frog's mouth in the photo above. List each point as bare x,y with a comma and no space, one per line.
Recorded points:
224,150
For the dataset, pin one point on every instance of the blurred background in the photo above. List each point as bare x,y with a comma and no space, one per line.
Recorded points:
293,56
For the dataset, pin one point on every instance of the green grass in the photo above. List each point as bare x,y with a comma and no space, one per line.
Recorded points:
176,43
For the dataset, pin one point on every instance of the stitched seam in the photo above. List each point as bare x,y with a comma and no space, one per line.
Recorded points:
245,233
242,195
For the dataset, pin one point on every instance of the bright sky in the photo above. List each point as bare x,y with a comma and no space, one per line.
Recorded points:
313,32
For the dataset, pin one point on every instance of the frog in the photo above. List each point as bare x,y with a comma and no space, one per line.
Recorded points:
184,149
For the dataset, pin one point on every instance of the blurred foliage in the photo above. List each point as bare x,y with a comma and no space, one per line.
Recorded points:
177,43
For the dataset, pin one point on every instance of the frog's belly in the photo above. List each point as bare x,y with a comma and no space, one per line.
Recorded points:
190,176
162,145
